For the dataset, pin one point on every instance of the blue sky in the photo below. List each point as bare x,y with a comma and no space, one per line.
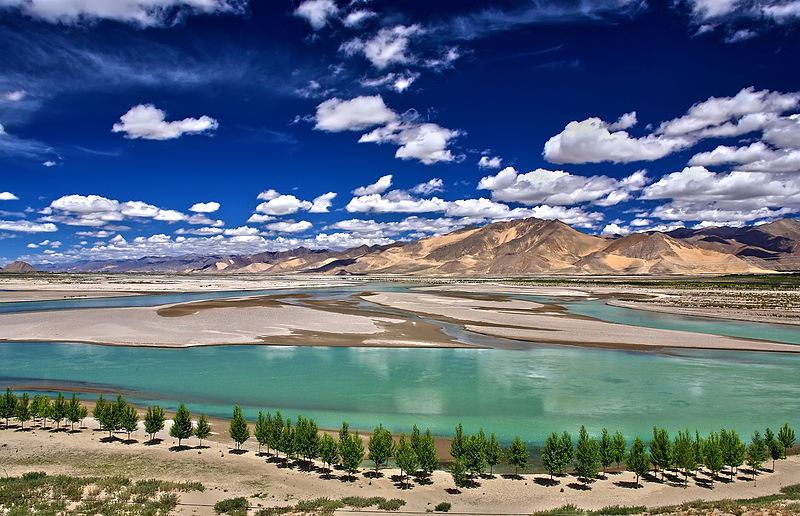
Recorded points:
168,127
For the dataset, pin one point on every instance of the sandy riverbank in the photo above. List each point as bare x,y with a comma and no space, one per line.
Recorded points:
227,475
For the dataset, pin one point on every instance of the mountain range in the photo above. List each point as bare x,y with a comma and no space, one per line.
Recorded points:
516,247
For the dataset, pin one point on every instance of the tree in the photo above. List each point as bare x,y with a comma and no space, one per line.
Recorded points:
129,420
351,450
59,409
238,428
23,412
416,439
638,460
261,430
493,452
517,454
34,406
73,411
459,472
661,450
275,431
100,406
553,456
697,449
154,421
307,437
683,453
111,415
756,453
619,447
712,455
733,450
8,405
587,456
182,424
457,444
203,429
785,436
45,409
380,446
606,449
474,455
774,447
406,458
328,451
83,412
287,442
428,460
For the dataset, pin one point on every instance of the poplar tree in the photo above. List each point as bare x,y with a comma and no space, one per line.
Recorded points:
182,424
406,459
733,450
494,453
203,429
416,439
712,455
275,432
756,453
99,407
129,420
154,421
457,444
428,460
351,450
380,446
59,409
328,451
23,412
73,411
261,430
8,405
619,448
45,409
34,407
459,472
552,456
238,427
307,437
287,443
473,454
517,455
587,456
785,436
774,447
638,460
567,451
697,448
606,449
661,450
683,452
83,412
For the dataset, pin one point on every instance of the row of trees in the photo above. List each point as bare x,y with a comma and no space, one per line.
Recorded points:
473,454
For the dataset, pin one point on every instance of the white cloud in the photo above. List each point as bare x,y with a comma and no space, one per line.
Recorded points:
556,187
48,164
267,195
290,226
399,82
8,196
322,203
379,186
15,95
387,47
625,121
95,210
148,122
614,229
283,205
784,132
425,142
140,12
357,17
241,231
205,207
359,113
490,162
317,12
377,203
25,226
726,154
435,226
432,186
258,218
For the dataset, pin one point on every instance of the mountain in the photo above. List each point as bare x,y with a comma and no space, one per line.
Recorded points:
17,268
524,246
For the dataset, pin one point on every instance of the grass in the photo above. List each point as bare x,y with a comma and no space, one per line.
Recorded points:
231,506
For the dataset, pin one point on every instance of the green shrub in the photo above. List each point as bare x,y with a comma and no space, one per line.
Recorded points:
564,510
230,505
319,504
391,505
442,507
617,510
359,502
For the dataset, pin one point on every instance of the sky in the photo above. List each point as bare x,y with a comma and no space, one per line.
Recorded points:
170,127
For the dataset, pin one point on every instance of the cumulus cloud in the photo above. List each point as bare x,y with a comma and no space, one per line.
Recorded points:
49,164
8,196
625,121
490,162
614,229
148,122
290,226
356,114
283,205
399,82
25,226
556,187
322,203
436,226
379,186
403,203
389,46
145,13
356,18
96,211
317,12
205,207
431,186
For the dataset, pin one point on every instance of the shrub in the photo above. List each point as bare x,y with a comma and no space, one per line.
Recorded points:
230,505
359,502
617,510
442,507
391,505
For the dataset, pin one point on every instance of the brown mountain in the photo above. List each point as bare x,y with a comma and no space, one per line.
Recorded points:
17,268
524,246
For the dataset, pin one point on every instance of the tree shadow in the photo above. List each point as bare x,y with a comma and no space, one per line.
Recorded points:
129,441
422,478
579,486
705,483
546,481
237,452
23,429
347,478
452,491
628,484
325,473
180,448
109,439
202,447
153,442
373,474
512,476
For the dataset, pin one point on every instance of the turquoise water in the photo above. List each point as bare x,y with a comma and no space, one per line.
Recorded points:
529,393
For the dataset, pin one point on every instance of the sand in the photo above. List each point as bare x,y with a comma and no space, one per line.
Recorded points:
227,475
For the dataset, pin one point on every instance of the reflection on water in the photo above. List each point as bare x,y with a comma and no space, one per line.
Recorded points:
530,392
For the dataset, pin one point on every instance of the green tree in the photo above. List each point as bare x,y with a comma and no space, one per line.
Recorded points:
275,431
261,430
517,454
406,458
203,429
619,447
683,453
459,472
712,455
697,449
774,447
553,457
34,406
83,413
587,456
73,411
111,415
733,450
344,432
606,449
380,446
129,420
8,405
457,444
416,439
351,449
661,450
181,425
328,450
239,431
307,435
100,406
756,453
494,453
23,409
287,443
786,437
45,409
474,454
59,409
154,421
428,460
638,460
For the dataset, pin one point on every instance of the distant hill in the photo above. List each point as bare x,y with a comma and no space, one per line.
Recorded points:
524,246
17,268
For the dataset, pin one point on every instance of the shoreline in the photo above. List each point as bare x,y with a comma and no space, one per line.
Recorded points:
702,313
